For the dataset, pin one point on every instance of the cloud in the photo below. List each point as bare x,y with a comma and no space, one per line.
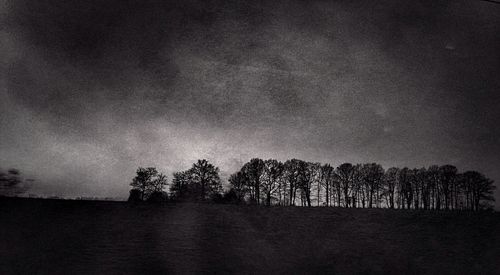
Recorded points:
93,90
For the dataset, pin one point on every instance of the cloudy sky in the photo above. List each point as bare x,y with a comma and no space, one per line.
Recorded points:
90,90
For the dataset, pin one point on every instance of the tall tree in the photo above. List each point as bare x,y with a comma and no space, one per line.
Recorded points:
448,174
292,177
405,187
239,184
390,183
253,170
327,173
205,176
144,181
271,174
344,173
433,179
372,175
180,184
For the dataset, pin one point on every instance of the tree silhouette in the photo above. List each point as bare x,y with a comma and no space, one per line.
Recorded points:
147,183
205,177
180,184
239,185
253,171
344,174
390,183
477,189
201,182
327,178
372,175
271,174
12,184
292,178
360,185
448,174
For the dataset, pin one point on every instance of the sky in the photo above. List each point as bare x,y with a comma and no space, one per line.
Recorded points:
91,90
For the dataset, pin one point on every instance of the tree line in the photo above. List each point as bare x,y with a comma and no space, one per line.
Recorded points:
300,183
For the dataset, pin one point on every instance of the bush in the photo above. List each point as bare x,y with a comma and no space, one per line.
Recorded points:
158,197
135,195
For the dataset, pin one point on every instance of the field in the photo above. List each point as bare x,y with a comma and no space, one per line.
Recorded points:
88,237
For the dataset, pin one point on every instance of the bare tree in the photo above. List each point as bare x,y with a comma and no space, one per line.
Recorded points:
270,176
372,175
253,170
390,183
327,176
239,184
344,175
448,174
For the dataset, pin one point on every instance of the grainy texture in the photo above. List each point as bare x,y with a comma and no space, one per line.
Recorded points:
81,237
97,88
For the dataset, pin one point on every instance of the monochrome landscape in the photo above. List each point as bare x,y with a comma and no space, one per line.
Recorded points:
261,137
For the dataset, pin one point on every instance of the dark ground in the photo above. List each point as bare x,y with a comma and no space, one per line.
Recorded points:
88,237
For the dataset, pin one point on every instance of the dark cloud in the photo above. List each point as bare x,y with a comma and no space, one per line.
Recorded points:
96,88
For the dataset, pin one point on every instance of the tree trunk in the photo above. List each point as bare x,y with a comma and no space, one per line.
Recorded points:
257,190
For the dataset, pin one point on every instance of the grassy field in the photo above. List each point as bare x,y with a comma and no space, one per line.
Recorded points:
85,237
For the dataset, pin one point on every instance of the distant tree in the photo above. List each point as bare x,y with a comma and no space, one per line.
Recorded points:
344,174
479,190
239,185
360,185
253,170
159,183
327,176
372,175
157,194
433,180
448,175
314,178
426,187
307,173
420,188
147,182
179,187
359,188
270,177
11,183
404,187
143,181
292,178
390,183
204,176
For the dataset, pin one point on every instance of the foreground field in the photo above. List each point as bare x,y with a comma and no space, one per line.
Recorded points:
78,237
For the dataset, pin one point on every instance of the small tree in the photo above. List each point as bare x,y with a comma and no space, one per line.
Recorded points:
11,183
147,183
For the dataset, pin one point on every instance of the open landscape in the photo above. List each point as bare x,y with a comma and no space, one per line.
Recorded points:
249,137
42,236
